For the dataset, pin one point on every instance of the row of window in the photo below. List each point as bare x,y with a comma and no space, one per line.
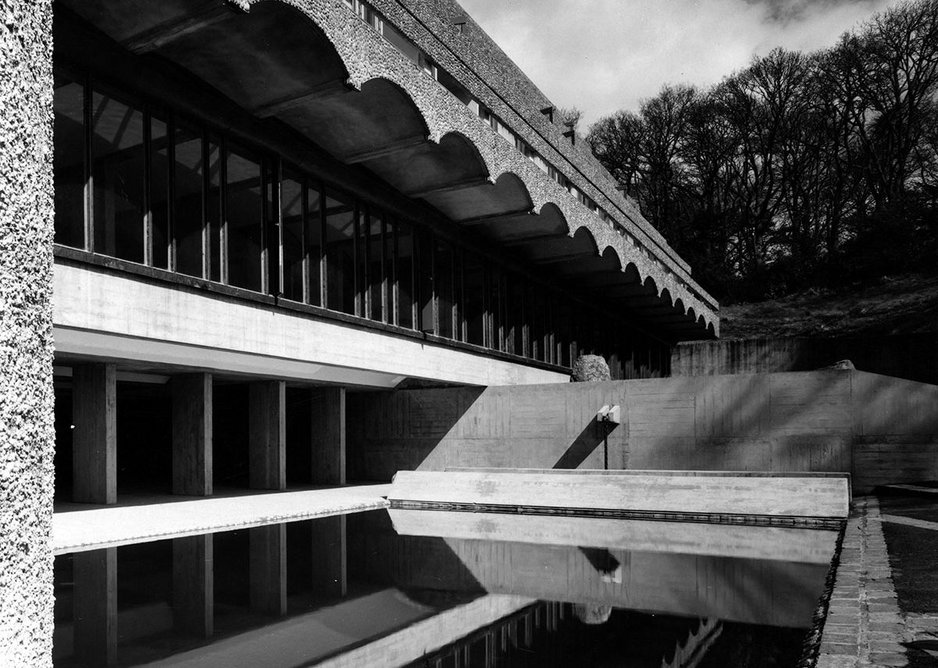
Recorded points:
397,39
145,185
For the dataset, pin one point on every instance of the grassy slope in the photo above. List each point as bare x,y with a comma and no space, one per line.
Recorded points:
901,305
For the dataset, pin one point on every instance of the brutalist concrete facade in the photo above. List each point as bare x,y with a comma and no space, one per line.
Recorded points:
26,399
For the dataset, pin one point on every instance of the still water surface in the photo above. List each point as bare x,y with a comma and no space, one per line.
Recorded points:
446,589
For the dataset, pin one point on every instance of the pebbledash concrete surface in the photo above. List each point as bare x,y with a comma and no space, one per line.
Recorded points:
403,213
26,436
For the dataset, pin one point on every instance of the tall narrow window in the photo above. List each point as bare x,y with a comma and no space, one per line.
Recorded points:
214,215
294,237
516,310
159,193
118,174
376,271
443,280
474,298
187,200
245,218
314,216
404,260
69,162
390,271
426,272
340,253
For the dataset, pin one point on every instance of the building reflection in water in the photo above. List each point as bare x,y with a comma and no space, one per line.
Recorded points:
352,590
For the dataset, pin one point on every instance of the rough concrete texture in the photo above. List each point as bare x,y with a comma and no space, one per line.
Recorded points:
26,417
366,55
590,367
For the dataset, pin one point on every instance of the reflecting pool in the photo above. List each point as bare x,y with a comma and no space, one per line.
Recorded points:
416,587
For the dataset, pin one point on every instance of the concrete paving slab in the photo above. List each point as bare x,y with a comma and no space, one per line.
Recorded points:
140,522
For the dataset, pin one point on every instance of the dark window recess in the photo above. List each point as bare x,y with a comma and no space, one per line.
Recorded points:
118,176
187,203
159,193
69,162
245,219
314,244
405,275
294,234
340,253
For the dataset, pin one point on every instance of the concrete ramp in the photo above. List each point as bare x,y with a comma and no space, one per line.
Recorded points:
726,497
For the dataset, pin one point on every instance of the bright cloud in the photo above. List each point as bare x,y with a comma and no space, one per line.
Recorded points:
606,55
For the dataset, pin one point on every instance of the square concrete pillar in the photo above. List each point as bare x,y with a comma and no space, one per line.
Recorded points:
267,426
94,439
327,415
329,563
268,569
194,585
192,434
95,607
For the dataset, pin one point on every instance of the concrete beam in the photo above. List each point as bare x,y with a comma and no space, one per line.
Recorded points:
496,217
158,36
94,439
192,434
323,91
267,435
385,150
473,182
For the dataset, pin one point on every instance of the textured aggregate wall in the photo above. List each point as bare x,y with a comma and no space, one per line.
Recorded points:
26,417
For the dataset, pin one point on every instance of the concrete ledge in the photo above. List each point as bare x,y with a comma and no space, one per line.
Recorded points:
95,528
715,540
703,495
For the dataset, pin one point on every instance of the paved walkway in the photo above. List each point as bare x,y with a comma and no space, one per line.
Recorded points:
869,622
146,520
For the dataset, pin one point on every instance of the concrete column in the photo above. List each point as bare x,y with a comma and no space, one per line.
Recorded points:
327,413
26,411
268,569
192,434
267,435
194,585
95,606
94,439
330,575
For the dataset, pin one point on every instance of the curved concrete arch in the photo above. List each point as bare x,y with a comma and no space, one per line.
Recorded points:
679,305
665,295
366,55
692,314
611,254
584,232
651,285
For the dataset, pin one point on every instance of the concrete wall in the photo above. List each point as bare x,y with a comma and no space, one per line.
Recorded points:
810,421
911,356
26,435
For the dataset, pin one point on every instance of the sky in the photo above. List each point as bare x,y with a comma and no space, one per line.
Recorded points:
605,55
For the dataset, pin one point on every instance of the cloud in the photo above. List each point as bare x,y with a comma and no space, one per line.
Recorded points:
606,55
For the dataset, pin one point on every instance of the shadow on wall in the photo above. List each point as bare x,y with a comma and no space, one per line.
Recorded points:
879,428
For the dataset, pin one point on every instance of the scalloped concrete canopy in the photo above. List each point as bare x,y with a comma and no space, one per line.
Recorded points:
319,69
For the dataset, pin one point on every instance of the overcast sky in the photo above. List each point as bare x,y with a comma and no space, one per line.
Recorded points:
606,55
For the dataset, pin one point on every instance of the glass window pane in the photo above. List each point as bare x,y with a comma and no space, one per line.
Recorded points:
294,236
404,262
69,162
443,280
376,274
117,168
425,281
187,201
390,272
474,298
244,210
340,253
213,216
314,244
159,192
516,309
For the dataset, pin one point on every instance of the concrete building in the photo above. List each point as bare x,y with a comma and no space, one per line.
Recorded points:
262,207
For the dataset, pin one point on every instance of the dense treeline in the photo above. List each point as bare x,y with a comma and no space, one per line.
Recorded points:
800,170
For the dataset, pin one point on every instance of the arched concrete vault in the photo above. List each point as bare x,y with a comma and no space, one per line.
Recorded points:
322,70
